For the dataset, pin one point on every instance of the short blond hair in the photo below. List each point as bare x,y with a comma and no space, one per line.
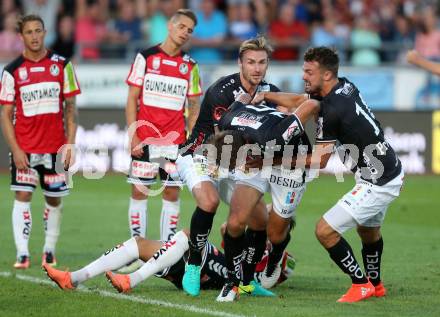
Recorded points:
258,43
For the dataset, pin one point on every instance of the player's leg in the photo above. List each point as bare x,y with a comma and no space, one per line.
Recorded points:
22,227
169,215
112,259
54,187
158,256
243,202
23,183
372,248
193,172
278,233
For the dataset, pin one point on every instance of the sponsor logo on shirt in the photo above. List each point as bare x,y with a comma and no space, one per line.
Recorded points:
246,119
54,70
183,68
346,90
156,62
164,92
37,69
22,73
40,98
169,62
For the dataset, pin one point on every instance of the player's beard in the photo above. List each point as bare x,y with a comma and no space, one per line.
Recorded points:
253,81
312,89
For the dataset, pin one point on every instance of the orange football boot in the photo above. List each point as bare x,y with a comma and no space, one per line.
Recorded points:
357,292
119,281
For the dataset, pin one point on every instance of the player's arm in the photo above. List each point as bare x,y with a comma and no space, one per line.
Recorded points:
193,111
413,57
71,120
291,101
7,114
131,116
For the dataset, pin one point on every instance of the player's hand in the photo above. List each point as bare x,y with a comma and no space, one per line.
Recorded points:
258,98
68,157
254,162
21,160
136,147
413,57
244,98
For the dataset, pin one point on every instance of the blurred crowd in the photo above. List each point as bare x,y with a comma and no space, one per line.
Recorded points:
365,32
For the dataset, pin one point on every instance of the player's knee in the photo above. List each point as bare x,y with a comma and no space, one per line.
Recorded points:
171,193
23,196
235,225
139,194
369,235
209,202
325,234
53,201
276,235
320,231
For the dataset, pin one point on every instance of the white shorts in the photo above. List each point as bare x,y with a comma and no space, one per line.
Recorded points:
285,186
193,170
366,205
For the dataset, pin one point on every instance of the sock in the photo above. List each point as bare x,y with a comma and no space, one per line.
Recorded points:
372,254
234,256
342,254
256,245
112,259
52,223
168,219
201,224
277,251
168,255
137,217
22,226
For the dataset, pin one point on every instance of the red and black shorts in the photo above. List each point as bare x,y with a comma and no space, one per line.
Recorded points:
41,170
155,161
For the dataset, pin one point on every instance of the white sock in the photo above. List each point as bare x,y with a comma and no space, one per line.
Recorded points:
112,259
168,219
169,254
52,223
22,226
137,217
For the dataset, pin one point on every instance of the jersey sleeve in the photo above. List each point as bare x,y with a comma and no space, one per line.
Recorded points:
137,71
328,124
71,85
195,85
7,89
286,130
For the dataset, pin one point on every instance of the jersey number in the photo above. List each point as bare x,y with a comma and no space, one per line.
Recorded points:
367,116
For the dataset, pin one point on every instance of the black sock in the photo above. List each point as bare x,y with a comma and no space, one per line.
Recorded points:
342,254
253,252
234,256
201,224
277,252
372,254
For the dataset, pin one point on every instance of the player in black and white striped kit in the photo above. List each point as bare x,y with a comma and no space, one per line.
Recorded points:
345,119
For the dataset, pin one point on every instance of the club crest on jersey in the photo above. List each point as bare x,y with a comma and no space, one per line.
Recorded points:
22,73
291,131
156,62
183,68
54,70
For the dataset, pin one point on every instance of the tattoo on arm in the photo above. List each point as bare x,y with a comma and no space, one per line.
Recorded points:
193,111
71,119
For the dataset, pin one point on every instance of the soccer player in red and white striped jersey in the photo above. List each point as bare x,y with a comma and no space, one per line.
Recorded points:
37,98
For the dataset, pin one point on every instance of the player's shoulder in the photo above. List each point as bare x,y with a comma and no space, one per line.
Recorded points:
187,58
57,58
13,65
265,86
344,90
153,50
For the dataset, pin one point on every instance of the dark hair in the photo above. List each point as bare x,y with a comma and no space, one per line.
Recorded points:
232,138
28,18
326,57
186,12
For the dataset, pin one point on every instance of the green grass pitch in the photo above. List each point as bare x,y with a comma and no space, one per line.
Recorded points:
95,219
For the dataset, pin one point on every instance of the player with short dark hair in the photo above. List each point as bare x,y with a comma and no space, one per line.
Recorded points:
38,118
162,78
346,119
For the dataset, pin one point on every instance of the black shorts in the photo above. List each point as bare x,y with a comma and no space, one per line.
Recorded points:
42,170
213,274
156,160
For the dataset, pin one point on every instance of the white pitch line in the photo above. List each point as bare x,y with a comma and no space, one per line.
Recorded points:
131,298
